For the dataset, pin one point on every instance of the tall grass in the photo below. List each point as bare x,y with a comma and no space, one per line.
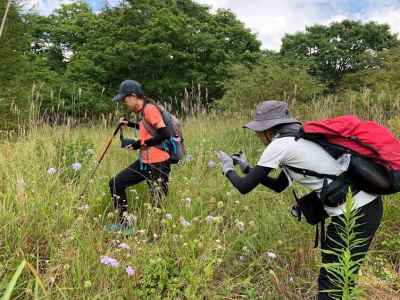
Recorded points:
213,243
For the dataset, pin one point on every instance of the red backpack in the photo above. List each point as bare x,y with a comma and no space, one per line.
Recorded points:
374,150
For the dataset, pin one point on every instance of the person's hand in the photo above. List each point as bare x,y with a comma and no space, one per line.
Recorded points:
227,162
241,160
123,122
130,144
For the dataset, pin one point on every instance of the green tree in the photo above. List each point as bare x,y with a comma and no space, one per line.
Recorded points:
14,45
272,78
167,45
338,49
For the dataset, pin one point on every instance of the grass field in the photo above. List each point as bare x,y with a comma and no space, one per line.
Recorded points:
208,241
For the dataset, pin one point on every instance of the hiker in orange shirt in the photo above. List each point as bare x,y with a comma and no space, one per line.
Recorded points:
153,164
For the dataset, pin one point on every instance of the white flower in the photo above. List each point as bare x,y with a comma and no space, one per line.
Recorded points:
52,171
212,164
184,222
240,226
131,219
76,166
188,201
271,255
189,157
209,219
84,207
171,56
220,204
168,216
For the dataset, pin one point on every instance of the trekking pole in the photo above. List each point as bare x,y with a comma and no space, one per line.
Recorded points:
98,162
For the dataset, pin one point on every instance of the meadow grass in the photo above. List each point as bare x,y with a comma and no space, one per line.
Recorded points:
206,242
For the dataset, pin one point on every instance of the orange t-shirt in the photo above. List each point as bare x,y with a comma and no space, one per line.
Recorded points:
152,116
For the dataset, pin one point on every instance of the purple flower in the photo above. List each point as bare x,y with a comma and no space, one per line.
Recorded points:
109,261
130,271
76,166
209,219
124,246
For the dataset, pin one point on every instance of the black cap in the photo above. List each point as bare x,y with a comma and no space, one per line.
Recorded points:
129,87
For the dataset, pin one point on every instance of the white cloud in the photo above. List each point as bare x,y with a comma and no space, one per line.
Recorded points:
45,7
271,19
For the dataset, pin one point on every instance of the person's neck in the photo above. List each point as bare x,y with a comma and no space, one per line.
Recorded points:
140,106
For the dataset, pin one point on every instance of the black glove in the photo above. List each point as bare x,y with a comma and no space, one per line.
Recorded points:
130,143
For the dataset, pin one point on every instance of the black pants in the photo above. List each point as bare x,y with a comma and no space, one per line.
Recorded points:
368,223
156,176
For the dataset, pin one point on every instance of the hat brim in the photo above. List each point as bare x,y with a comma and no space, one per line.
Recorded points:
265,125
118,98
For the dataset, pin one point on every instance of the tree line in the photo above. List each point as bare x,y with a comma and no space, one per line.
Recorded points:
72,61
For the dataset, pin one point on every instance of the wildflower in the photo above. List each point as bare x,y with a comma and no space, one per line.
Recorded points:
242,258
184,222
90,151
240,226
124,246
168,216
211,164
189,157
209,219
109,261
131,219
130,271
188,201
220,204
76,166
271,255
84,207
52,171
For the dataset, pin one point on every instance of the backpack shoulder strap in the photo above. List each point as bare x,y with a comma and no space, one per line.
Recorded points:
306,172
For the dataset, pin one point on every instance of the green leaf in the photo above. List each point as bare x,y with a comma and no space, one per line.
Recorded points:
7,295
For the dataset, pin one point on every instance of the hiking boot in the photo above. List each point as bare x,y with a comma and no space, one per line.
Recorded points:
121,227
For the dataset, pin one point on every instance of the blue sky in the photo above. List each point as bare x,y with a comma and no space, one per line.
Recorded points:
271,19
